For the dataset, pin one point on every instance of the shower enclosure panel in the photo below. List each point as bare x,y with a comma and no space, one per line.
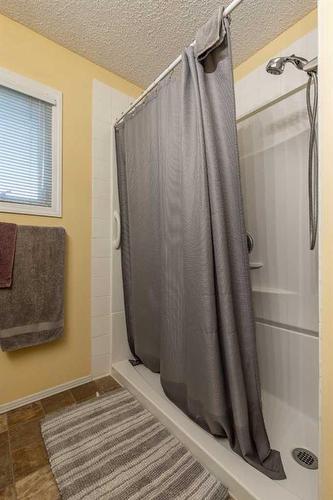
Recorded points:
274,154
273,148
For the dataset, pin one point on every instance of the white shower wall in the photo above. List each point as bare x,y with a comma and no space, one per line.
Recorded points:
107,305
273,147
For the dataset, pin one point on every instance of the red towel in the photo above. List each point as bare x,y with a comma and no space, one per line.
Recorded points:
7,253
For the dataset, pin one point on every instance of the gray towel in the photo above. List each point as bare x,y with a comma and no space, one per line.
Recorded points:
7,253
210,35
32,310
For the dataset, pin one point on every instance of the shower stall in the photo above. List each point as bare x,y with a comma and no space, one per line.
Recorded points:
273,134
273,137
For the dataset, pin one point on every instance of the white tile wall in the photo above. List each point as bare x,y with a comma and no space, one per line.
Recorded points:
98,266
101,247
101,306
120,349
101,286
101,325
106,277
100,365
101,345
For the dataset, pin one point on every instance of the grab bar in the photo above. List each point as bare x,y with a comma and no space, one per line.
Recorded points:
116,240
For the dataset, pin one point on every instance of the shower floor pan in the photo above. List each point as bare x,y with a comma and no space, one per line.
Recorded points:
287,429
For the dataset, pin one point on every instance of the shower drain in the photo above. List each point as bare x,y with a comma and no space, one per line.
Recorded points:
305,458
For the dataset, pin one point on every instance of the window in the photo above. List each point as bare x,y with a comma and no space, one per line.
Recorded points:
30,146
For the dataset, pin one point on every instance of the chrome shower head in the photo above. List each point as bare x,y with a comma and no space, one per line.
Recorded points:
276,66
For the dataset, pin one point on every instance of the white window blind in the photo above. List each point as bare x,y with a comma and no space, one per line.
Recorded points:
30,146
25,149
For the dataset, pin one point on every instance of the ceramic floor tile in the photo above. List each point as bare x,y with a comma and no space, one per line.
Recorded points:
28,459
6,476
58,401
38,485
3,422
85,391
106,384
26,413
24,434
8,493
4,438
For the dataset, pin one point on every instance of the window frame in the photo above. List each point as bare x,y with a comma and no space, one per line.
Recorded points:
52,96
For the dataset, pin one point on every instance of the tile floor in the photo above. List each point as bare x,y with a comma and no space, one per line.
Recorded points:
24,469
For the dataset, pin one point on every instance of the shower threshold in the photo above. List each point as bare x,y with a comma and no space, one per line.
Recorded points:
245,483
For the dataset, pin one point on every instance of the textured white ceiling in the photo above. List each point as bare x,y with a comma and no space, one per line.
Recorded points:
138,38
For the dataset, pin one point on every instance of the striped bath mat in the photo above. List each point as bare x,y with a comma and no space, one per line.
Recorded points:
113,448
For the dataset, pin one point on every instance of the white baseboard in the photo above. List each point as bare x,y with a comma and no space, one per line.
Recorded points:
44,394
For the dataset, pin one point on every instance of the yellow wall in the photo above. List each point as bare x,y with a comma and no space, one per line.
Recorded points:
325,18
24,51
32,55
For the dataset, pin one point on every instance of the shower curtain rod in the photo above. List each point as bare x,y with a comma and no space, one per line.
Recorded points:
175,63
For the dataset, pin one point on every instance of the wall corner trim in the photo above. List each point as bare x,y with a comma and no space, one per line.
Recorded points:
12,405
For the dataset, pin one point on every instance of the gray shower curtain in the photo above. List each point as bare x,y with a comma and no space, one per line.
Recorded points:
184,254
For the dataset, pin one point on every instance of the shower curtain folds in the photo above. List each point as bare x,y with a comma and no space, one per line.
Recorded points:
184,253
